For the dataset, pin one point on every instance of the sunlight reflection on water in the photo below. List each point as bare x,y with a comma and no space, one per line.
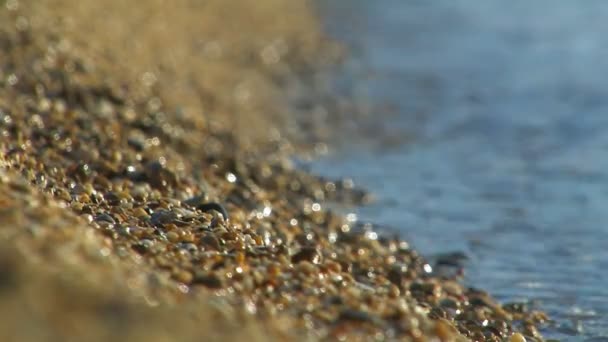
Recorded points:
510,165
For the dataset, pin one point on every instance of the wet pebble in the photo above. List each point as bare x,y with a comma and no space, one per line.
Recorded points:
357,316
105,218
143,246
310,254
209,241
517,337
210,280
158,176
161,217
213,206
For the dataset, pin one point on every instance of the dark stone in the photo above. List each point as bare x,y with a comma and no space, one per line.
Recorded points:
209,280
205,207
140,248
196,200
81,172
158,176
396,275
105,218
162,217
209,241
308,253
357,316
111,198
516,307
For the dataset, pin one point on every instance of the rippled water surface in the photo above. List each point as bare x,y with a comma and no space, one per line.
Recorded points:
509,104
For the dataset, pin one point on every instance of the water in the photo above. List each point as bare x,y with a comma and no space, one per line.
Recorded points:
509,104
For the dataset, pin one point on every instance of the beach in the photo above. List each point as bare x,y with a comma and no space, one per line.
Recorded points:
148,189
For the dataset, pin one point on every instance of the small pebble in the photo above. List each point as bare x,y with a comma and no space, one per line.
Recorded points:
105,218
210,280
205,207
161,217
517,337
172,236
310,254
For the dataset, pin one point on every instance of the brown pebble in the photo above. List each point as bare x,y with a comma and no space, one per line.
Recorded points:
210,280
183,276
139,212
310,254
394,291
273,270
445,331
306,267
517,337
333,266
530,330
209,241
239,258
172,236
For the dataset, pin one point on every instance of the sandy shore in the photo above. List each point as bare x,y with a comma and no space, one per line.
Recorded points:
146,190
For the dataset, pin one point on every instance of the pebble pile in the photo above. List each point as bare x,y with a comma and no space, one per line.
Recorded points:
186,199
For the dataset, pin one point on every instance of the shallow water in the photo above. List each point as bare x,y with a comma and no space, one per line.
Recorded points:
509,104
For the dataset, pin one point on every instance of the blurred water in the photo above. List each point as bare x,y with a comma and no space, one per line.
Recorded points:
509,102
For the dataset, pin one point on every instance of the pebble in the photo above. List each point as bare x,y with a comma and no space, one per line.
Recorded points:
161,217
310,254
140,213
210,280
172,236
105,218
209,241
357,316
183,276
517,337
143,246
206,207
158,176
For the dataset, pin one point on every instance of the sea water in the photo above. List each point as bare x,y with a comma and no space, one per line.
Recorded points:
507,104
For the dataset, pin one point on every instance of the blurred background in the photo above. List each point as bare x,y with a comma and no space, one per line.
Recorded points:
505,110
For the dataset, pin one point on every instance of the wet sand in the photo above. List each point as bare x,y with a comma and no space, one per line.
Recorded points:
147,191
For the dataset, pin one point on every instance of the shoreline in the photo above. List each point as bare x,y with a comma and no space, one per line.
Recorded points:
112,187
